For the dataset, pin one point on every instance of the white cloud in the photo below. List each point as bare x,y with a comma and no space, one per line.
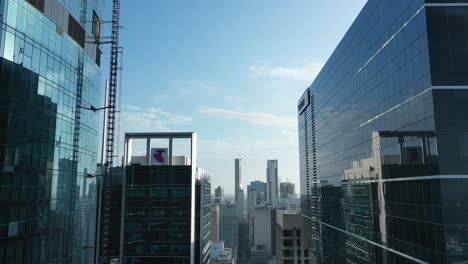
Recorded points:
135,118
139,119
306,72
253,118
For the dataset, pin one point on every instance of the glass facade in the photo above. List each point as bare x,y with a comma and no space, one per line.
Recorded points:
48,143
228,226
383,138
158,214
166,213
202,217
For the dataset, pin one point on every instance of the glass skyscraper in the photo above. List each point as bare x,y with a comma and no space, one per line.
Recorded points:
166,214
228,226
49,71
239,190
383,137
203,225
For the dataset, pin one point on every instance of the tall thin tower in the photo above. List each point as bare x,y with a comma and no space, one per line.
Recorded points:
238,175
272,181
239,192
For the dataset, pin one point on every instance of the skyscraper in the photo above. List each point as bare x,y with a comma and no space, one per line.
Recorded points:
239,191
215,223
48,142
291,246
219,195
166,212
272,181
251,204
228,226
256,194
203,225
238,177
261,188
264,227
243,249
382,137
286,190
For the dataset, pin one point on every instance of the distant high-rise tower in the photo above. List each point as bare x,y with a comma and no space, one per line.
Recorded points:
228,226
272,181
286,189
264,227
251,203
238,175
215,223
219,195
261,188
256,193
239,192
202,217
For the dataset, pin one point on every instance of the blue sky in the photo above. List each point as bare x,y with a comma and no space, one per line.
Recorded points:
232,71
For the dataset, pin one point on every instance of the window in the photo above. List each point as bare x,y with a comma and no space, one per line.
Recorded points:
39,4
287,253
76,31
287,242
447,44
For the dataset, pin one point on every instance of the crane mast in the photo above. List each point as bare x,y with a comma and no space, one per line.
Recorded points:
112,96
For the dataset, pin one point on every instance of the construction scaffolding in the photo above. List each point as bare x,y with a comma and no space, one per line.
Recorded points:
110,126
113,76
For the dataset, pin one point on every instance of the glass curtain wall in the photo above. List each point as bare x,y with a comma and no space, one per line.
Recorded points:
48,143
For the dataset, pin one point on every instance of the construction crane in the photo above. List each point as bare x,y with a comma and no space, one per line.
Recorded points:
113,76
110,124
109,133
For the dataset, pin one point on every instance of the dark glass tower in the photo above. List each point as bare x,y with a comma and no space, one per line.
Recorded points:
48,143
383,138
157,214
166,213
228,226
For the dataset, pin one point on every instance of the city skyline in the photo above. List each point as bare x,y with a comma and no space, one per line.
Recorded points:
229,86
246,132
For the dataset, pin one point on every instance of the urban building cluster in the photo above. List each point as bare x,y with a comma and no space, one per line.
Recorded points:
249,227
383,140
